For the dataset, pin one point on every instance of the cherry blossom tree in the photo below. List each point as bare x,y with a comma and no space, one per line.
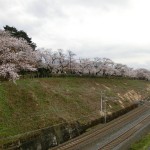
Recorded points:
71,61
103,66
62,61
59,62
107,66
15,55
83,66
143,74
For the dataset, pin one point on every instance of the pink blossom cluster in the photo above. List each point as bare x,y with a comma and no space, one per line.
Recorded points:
15,55
58,62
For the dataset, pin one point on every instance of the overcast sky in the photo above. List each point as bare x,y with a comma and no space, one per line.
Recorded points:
117,29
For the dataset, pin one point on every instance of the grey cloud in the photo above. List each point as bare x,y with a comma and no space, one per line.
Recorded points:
7,5
44,9
114,52
57,8
97,3
42,18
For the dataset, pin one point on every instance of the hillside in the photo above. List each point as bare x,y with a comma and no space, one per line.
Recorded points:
38,103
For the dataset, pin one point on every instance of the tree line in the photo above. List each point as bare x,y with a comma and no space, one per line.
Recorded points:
59,62
18,57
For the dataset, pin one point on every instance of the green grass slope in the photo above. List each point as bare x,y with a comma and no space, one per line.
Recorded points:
143,144
32,104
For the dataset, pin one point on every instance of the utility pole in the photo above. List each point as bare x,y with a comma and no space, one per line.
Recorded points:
105,111
101,102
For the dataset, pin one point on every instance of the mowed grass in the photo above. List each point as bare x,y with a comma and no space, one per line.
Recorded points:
143,144
33,104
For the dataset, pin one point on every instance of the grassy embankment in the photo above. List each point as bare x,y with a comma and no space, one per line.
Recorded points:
37,103
143,144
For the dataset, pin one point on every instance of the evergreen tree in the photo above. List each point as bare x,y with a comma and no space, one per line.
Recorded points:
20,34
